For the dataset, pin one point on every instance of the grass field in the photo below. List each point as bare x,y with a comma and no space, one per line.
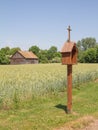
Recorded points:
33,97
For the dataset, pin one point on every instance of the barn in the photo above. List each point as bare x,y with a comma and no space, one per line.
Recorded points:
24,57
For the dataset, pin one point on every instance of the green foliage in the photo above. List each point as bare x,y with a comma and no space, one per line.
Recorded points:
86,43
43,56
5,50
57,54
90,56
4,59
35,50
56,60
51,52
97,54
47,56
5,54
87,50
13,50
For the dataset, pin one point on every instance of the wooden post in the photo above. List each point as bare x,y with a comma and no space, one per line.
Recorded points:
69,88
69,81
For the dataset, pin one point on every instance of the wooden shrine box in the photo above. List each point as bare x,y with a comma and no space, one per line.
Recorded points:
69,53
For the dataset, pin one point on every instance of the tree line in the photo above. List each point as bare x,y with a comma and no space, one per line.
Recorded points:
87,52
47,56
52,55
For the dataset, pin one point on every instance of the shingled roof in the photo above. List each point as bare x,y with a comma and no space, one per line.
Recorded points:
28,54
67,47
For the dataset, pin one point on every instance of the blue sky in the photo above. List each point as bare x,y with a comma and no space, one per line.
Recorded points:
24,23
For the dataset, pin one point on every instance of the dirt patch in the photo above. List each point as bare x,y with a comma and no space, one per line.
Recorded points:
92,126
96,80
84,123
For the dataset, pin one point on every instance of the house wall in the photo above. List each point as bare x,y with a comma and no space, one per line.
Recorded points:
18,61
23,61
32,61
17,55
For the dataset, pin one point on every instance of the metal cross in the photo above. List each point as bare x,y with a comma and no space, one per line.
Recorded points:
69,29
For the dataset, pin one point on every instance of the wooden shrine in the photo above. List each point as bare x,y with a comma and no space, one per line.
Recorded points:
69,54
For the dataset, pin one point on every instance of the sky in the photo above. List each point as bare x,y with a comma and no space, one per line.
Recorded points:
25,23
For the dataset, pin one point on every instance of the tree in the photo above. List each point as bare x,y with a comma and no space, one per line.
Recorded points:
57,54
13,50
79,46
5,54
43,56
35,50
4,59
51,52
90,56
5,50
86,43
81,56
56,60
96,54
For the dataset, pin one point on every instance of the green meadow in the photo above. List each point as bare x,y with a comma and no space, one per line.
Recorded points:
33,97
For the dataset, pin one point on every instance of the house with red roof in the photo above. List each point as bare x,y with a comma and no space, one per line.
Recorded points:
24,57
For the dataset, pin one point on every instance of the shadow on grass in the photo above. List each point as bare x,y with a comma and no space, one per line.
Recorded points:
63,107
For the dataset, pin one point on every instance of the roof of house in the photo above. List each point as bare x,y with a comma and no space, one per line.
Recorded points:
68,46
28,54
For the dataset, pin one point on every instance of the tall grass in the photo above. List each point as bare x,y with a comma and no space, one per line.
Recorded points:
25,82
